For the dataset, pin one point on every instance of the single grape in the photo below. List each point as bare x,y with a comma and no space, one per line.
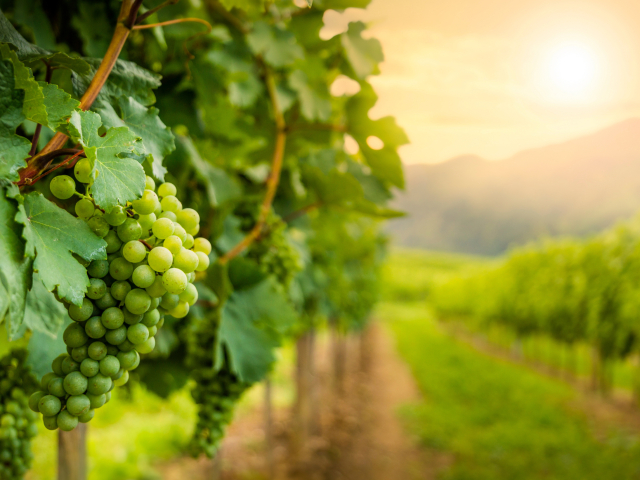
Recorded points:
186,260
180,233
86,417
120,269
106,301
116,337
56,365
170,215
109,366
190,295
50,422
129,230
98,268
191,277
84,208
169,204
99,384
116,217
82,312
82,171
169,301
122,380
79,353
89,367
131,318
155,301
129,359
62,187
120,289
137,333
203,262
112,318
147,346
126,346
94,328
160,259
137,301
149,184
146,221
78,405
97,351
151,318
69,365
201,244
108,396
97,288
34,399
96,400
143,276
188,218
134,251
147,203
166,189
66,421
180,311
188,243
163,228
75,383
175,281
156,289
193,231
173,244
56,388
74,335
113,242
99,226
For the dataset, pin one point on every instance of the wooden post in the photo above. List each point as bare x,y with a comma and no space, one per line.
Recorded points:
216,465
268,429
72,454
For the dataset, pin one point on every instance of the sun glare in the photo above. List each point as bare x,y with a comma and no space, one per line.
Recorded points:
573,69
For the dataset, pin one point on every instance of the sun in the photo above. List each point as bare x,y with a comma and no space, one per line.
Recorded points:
572,70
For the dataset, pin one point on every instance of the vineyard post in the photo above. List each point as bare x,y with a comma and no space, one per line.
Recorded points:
72,454
338,348
268,428
303,404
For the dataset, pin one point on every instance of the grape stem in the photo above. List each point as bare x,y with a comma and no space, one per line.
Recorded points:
126,20
148,13
74,152
145,244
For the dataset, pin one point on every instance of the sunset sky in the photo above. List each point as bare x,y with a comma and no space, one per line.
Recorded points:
493,77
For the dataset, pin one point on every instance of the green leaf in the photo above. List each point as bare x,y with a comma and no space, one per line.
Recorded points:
277,46
59,105
364,55
144,122
244,85
94,27
43,312
244,273
247,5
315,103
119,180
15,263
30,13
252,322
54,234
33,107
218,281
14,149
43,350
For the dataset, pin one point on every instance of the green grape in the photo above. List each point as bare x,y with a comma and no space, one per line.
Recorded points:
74,335
51,422
191,276
109,366
119,289
97,288
186,260
56,365
120,269
112,318
106,301
116,217
163,228
126,346
56,388
166,189
129,230
96,400
69,365
156,289
62,187
149,184
116,337
108,396
82,312
175,281
170,204
113,242
170,215
75,383
188,243
128,359
190,295
152,331
112,349
147,346
84,208
155,301
99,226
34,399
131,318
173,244
143,276
97,351
169,301
147,203
79,353
188,218
137,301
89,367
180,233
82,171
134,251
203,262
180,311
151,318
87,417
146,221
137,333
94,328
122,380
49,405
98,268
99,384
193,231
78,405
201,244
46,378
160,259
66,421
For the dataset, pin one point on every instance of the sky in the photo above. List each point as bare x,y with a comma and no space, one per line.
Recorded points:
495,77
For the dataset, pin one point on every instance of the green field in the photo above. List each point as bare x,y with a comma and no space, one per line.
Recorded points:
497,419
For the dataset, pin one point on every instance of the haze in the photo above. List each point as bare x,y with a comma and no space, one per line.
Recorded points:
494,77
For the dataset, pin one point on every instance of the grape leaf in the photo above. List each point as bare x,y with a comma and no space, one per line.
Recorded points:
43,350
94,26
119,179
278,47
144,122
364,55
59,105
251,325
54,234
30,13
43,312
244,86
314,103
33,107
14,149
15,263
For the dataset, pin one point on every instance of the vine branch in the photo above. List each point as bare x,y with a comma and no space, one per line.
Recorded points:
73,152
148,13
172,22
299,213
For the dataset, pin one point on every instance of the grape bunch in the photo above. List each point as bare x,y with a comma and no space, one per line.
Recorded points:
17,422
152,260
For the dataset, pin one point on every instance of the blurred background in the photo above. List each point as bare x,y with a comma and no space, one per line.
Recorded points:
506,342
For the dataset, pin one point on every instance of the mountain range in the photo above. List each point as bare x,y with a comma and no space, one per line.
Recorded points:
468,204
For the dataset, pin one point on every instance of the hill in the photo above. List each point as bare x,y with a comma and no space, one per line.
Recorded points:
472,205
